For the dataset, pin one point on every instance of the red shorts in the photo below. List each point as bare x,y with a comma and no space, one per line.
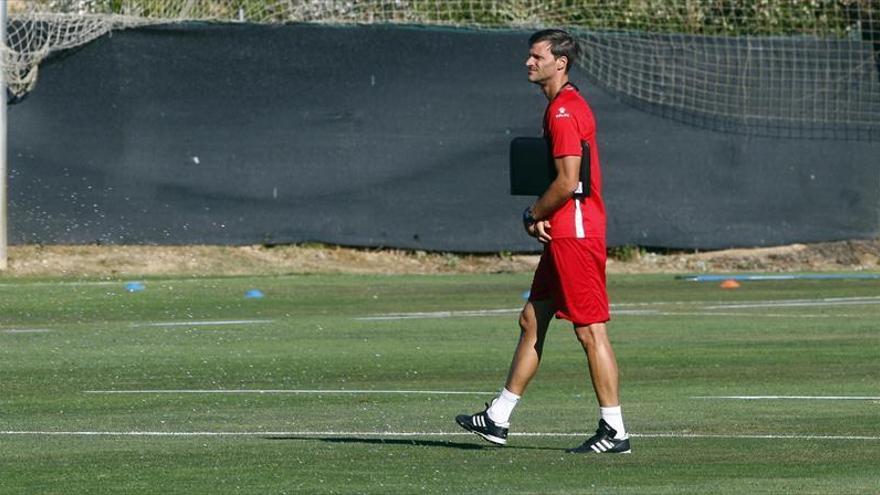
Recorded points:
572,273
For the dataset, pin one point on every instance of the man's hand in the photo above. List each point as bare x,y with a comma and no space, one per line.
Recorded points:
540,230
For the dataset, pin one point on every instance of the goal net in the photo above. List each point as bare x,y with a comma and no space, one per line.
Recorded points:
791,68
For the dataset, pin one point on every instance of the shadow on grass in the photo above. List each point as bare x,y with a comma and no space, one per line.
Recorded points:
407,441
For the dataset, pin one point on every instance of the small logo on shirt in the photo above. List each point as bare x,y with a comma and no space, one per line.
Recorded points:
562,113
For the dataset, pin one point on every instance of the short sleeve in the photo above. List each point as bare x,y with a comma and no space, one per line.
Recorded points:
564,133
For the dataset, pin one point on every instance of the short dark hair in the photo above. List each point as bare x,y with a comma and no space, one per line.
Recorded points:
561,44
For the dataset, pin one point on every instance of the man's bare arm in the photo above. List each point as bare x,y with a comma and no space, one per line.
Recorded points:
561,189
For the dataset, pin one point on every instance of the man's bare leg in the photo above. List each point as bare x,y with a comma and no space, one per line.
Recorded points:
604,375
602,362
492,424
533,323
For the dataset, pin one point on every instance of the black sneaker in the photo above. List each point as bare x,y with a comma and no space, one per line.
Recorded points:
483,426
603,442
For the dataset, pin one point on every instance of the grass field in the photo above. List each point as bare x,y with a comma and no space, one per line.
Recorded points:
169,349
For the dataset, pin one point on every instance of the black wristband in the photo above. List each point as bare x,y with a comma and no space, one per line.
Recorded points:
527,217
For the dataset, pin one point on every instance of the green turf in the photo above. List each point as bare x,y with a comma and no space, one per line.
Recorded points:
59,340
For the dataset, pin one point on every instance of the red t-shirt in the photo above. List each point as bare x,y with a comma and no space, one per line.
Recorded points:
567,122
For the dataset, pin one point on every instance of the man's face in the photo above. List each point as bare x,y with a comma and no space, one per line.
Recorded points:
541,64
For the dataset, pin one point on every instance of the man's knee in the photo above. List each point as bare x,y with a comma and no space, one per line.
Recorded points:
591,335
527,321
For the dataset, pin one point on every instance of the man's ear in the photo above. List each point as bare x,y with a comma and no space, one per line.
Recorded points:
561,62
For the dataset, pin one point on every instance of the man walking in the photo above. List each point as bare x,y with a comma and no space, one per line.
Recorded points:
569,219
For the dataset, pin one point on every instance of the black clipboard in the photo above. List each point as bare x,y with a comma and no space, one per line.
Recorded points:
532,168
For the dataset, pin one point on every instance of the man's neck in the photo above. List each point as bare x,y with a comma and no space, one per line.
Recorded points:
553,87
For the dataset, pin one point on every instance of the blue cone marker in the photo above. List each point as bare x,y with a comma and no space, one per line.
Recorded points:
135,287
253,294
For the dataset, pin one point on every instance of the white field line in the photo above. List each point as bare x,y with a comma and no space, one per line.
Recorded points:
120,283
798,303
701,309
475,313
751,315
440,314
26,330
729,304
787,397
54,284
624,312
290,391
738,314
391,434
200,323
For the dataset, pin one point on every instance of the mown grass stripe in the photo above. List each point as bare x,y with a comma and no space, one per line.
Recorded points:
391,434
199,323
787,397
287,391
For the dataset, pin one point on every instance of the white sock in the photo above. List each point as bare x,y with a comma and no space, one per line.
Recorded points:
502,407
614,417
